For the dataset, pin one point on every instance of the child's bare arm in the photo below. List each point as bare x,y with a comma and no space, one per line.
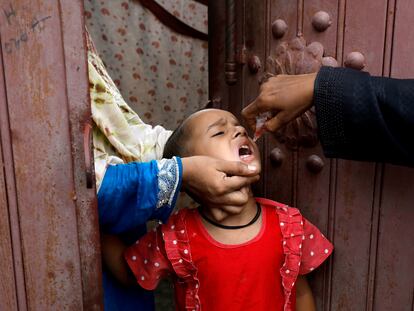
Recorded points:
112,254
304,297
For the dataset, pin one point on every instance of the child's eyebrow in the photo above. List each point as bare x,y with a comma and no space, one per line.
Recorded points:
221,121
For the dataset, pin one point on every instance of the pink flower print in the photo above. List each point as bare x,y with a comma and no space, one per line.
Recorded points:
105,11
125,5
121,31
136,76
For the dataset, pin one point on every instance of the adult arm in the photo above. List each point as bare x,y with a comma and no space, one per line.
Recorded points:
113,249
362,117
359,116
304,296
133,193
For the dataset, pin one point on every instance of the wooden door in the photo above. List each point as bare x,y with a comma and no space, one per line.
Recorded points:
365,209
49,244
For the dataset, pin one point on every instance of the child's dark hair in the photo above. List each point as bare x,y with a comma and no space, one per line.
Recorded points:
176,144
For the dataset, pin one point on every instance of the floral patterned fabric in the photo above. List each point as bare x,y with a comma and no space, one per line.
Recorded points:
161,74
119,135
189,12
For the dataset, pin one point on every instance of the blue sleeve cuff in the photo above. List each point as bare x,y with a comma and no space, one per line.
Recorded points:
169,185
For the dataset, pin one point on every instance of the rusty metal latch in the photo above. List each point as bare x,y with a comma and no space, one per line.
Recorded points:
87,139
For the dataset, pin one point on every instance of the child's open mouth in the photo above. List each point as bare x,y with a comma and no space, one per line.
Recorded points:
245,153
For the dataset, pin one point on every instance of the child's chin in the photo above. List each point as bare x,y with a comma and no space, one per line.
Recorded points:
249,159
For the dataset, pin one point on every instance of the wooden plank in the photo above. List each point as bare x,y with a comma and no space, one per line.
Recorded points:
280,179
394,281
394,271
354,191
80,116
8,295
378,190
364,31
313,189
7,18
35,75
218,90
327,37
402,60
255,43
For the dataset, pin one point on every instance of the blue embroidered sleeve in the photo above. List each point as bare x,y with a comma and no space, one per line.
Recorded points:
133,193
169,184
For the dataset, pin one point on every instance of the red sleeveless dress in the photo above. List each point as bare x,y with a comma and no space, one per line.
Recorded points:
257,275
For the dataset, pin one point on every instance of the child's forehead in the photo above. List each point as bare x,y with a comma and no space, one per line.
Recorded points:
203,117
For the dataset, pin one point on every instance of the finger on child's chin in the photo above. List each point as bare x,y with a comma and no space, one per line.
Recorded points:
219,214
235,198
235,183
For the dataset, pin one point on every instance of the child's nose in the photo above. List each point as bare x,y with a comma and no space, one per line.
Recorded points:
239,131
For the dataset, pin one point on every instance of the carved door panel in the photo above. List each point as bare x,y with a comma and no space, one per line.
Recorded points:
365,209
49,250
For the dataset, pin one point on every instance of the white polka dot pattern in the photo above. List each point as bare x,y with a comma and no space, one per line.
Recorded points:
302,255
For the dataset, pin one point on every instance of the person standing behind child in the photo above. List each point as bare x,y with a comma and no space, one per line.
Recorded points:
252,260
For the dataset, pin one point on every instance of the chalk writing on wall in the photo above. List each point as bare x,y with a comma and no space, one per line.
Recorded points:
36,25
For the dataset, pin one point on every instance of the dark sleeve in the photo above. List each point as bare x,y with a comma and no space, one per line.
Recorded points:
361,117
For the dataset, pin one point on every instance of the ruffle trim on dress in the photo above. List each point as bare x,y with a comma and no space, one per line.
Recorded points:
298,235
177,247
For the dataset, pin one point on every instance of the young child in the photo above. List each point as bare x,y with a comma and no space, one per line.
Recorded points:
253,259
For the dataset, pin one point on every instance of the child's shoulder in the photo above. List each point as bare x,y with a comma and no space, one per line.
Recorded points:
281,208
178,219
181,213
300,237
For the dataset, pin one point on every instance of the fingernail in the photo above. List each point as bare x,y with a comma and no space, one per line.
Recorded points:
252,168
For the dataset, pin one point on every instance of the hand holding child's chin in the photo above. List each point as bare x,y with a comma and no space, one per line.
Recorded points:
222,212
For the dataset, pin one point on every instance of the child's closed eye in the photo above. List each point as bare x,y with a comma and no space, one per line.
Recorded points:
218,134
